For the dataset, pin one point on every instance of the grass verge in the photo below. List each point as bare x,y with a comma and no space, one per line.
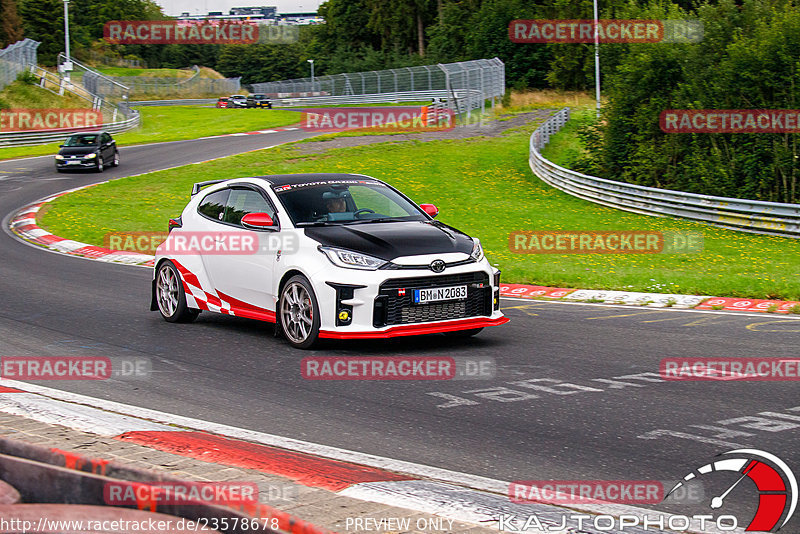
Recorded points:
176,123
482,186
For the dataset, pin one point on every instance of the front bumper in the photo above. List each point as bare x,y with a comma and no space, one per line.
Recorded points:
418,329
380,304
79,164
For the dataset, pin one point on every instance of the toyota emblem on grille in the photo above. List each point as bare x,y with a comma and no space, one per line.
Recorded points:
437,266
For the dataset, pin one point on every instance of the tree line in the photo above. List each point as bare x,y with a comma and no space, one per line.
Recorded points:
749,58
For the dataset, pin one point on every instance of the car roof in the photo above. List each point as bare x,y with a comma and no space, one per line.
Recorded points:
277,180
290,179
98,133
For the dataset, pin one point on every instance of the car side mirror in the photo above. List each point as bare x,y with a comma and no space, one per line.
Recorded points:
258,221
430,209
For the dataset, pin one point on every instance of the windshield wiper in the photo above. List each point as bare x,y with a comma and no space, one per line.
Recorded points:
381,219
317,223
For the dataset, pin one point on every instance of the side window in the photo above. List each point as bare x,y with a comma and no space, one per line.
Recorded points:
106,138
213,206
244,201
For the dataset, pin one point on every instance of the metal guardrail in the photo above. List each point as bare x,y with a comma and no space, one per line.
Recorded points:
44,137
380,98
179,102
92,80
755,216
323,100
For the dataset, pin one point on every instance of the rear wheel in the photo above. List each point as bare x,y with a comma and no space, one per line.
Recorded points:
171,297
116,159
299,313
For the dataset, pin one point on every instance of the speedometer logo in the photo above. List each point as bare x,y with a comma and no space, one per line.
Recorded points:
775,483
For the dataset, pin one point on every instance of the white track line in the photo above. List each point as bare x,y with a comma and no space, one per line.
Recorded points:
456,498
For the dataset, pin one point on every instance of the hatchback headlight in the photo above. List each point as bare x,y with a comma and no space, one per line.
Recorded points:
352,260
59,157
477,250
90,156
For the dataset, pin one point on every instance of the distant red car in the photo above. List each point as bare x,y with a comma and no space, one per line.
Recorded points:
222,102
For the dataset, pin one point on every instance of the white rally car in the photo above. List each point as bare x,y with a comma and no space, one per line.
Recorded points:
336,256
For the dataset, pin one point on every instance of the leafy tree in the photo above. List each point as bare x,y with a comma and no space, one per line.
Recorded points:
10,23
749,58
261,62
43,21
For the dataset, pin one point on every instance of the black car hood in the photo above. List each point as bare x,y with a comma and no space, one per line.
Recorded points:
77,150
391,240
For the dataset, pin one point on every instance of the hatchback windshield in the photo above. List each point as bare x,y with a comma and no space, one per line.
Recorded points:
340,203
81,140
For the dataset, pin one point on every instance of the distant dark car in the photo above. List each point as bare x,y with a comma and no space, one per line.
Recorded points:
90,150
237,101
222,102
258,101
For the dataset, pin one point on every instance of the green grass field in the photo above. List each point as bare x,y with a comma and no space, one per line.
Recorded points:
153,73
175,123
482,186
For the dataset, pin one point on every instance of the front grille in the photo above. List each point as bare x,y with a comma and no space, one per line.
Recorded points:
391,308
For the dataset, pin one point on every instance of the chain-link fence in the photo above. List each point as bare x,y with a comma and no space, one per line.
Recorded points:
94,82
16,58
97,57
464,86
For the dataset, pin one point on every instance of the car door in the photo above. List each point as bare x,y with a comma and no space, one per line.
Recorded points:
107,148
245,279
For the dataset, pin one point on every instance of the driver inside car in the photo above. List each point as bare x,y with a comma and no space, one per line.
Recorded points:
336,204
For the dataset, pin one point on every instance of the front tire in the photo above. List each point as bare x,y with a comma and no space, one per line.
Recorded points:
170,296
100,166
299,313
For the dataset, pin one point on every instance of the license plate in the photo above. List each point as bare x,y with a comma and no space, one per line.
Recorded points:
421,296
73,162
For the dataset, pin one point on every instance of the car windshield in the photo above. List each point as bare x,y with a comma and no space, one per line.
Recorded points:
345,202
81,140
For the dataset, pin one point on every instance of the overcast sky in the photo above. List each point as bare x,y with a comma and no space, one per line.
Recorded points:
201,7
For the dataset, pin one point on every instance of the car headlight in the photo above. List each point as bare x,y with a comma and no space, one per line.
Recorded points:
90,156
59,157
352,260
477,250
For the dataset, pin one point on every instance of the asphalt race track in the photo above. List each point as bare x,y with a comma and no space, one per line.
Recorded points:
576,396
